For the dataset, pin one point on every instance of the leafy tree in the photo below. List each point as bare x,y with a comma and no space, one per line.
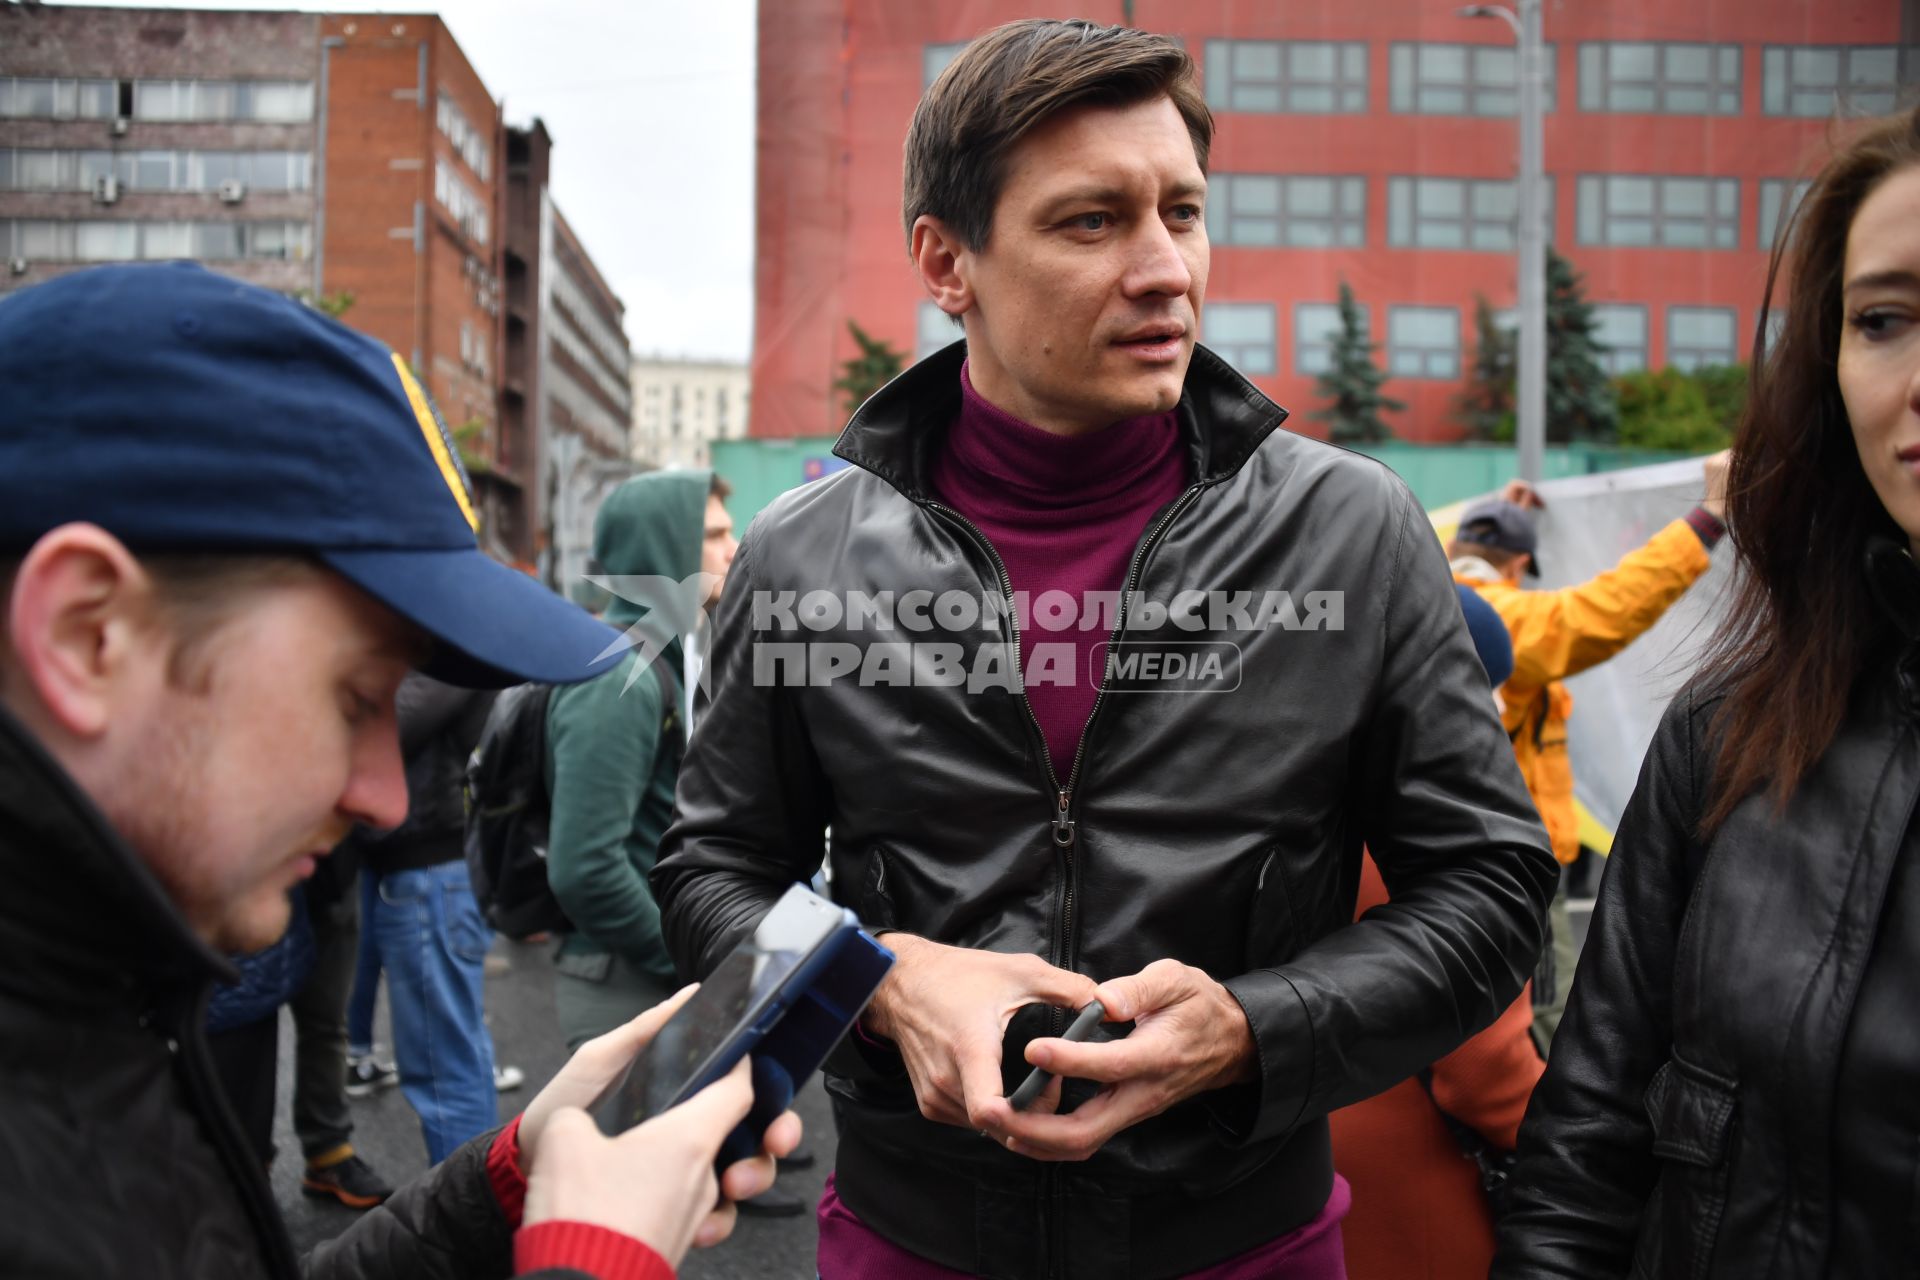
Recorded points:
1579,398
334,304
1680,411
876,365
1487,407
1352,384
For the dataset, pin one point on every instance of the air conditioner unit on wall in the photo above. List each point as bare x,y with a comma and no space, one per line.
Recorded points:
106,188
18,266
120,124
233,191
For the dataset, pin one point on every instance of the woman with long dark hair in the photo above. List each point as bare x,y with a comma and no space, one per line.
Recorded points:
1735,1091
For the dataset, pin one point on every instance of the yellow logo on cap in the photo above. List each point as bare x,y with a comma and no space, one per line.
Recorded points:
438,442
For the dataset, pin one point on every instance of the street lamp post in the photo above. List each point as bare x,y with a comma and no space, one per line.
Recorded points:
1531,430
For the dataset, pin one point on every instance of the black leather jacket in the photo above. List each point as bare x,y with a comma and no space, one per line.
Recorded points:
1223,829
119,1155
1686,1125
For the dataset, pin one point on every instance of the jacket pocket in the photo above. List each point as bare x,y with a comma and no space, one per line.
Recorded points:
1273,927
1693,1113
876,895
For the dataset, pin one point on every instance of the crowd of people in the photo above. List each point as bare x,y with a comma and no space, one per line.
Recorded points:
250,642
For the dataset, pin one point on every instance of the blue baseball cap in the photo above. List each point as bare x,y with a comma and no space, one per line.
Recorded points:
181,410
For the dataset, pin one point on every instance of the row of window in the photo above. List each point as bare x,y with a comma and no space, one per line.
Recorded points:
605,338
461,201
24,169
1325,77
60,98
1321,211
1636,77
1425,342
472,145
1421,342
46,240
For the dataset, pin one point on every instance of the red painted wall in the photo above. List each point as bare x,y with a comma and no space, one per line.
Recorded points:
839,80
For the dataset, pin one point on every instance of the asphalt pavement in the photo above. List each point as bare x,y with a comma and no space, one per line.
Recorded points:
527,1035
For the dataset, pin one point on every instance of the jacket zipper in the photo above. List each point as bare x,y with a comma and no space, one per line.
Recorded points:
1063,827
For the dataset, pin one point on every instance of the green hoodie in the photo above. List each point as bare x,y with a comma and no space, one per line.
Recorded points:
609,770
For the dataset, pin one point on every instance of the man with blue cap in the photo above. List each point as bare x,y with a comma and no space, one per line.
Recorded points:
229,526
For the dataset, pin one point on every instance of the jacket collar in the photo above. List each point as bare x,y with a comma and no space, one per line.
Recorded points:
82,921
1895,581
898,433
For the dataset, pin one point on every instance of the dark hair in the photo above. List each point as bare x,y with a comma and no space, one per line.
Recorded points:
1012,80
717,487
1802,623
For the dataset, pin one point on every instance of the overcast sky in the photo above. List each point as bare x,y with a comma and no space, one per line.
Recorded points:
650,104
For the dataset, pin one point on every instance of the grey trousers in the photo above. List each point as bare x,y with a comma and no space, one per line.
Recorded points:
1548,1007
595,994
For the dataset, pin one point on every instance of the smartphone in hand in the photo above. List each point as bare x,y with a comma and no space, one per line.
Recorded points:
1036,1084
785,995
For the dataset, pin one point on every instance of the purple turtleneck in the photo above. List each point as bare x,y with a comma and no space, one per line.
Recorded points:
1065,514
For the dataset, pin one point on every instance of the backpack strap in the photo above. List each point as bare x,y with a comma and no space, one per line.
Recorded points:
673,716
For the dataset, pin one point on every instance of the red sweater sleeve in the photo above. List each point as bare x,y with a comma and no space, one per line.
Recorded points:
581,1246
575,1246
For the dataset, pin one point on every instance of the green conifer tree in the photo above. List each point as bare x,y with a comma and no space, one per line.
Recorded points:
1352,384
1580,402
1487,406
875,366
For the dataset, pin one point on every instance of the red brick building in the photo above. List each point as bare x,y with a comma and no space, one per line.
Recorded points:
1371,141
357,159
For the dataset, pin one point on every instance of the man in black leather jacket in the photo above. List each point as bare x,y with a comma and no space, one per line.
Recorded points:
1195,865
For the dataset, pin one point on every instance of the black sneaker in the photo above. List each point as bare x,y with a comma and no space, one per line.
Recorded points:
366,1075
350,1182
801,1157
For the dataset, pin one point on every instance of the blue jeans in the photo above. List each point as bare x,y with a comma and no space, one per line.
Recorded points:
431,941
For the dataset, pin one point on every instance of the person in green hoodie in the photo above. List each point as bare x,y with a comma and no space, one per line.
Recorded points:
663,542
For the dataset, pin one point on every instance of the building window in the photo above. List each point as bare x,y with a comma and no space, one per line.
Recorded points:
270,101
1423,342
473,146
48,170
1298,210
1316,327
119,241
935,58
1461,79
1287,76
1242,334
24,97
1675,213
1778,198
1700,336
934,329
459,200
1620,328
1456,213
1661,79
1815,80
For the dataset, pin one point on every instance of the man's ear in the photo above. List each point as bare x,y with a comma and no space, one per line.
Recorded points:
943,263
81,612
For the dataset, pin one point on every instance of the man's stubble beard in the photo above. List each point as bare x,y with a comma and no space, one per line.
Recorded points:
163,811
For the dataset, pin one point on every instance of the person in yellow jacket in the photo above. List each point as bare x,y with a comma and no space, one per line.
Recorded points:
1557,634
